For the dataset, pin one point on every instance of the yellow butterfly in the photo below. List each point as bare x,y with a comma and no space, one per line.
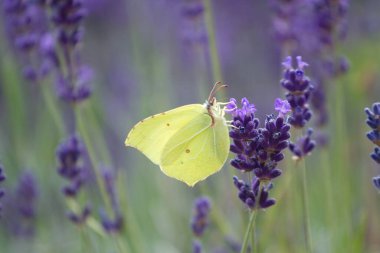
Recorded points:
189,143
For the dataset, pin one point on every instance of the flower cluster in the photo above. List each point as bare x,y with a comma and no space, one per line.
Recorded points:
2,178
299,91
330,20
257,150
69,154
373,121
67,17
200,220
288,23
25,25
115,224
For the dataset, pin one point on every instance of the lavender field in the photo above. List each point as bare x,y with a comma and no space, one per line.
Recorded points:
286,158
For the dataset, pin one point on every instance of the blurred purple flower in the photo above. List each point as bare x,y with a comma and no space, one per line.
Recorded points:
27,194
69,154
200,218
21,204
78,92
81,218
193,26
2,178
67,17
25,24
376,182
373,121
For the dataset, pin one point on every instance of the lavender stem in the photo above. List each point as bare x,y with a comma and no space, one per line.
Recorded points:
251,223
305,205
52,108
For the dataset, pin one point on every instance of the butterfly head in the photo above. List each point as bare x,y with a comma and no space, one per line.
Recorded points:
213,107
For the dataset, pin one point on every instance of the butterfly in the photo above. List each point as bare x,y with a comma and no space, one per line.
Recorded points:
189,143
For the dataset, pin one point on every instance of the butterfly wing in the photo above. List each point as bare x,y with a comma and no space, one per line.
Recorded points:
152,134
194,154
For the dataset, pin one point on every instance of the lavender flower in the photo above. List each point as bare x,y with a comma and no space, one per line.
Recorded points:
257,150
67,17
69,153
200,217
2,178
329,26
288,23
25,25
303,146
299,91
373,121
115,224
26,194
21,206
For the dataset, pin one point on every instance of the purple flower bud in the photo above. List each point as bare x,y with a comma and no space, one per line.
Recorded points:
303,146
80,218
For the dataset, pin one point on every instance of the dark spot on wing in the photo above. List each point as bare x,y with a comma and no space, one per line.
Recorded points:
181,162
167,124
163,113
152,116
141,121
187,150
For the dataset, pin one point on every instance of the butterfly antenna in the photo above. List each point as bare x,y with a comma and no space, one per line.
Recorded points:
215,89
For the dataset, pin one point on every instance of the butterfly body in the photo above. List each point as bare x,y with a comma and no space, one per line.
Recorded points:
189,143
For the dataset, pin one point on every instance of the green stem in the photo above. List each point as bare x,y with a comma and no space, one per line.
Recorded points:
120,245
52,108
305,205
251,224
215,63
330,221
85,240
92,155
